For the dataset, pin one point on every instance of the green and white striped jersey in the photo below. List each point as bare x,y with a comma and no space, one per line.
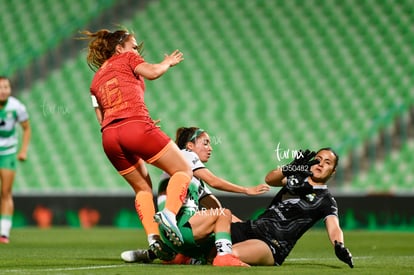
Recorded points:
11,114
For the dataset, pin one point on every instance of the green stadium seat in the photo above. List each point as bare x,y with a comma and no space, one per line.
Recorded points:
27,37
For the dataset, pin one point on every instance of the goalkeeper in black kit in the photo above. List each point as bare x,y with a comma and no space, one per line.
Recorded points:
303,200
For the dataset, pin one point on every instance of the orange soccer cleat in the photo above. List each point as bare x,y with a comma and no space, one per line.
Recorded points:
182,259
228,260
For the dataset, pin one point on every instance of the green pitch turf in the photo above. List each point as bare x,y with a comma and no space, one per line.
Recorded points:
97,251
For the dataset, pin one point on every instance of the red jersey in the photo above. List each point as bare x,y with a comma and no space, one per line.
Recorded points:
119,92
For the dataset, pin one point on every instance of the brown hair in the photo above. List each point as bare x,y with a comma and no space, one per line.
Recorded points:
186,134
102,45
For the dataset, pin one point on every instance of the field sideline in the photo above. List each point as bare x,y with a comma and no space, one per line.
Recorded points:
62,250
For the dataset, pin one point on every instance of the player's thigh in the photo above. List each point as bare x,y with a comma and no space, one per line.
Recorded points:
7,179
138,181
7,172
202,225
171,160
254,252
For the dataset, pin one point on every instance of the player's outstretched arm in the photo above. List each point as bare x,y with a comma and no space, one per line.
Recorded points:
153,71
337,239
224,185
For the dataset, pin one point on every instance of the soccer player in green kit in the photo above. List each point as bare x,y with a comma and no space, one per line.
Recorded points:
12,113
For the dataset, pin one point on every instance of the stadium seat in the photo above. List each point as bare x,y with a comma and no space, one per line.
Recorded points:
27,37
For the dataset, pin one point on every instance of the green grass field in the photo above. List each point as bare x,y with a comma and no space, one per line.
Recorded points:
97,251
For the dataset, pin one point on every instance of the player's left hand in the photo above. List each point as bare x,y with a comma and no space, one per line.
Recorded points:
301,165
21,156
258,189
174,58
343,254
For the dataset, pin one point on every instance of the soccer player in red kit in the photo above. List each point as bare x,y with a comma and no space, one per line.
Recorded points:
129,135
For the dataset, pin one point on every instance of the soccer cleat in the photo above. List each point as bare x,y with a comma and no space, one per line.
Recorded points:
161,250
170,228
182,259
137,256
228,260
4,239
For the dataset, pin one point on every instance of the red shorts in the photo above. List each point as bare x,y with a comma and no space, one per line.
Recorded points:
127,141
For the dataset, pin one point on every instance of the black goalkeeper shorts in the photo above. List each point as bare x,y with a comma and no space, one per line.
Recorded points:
242,231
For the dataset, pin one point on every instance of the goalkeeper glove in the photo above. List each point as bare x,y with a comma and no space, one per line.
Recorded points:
298,185
301,164
343,254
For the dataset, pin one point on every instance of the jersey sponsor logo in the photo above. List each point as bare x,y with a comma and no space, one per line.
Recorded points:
195,160
280,214
310,197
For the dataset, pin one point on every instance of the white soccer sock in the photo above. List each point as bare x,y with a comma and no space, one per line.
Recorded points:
223,246
151,238
5,225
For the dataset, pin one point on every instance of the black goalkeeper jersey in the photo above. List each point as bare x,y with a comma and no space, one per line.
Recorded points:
289,217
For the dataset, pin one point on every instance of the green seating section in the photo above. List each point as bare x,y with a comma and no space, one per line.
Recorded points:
32,27
258,76
392,176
